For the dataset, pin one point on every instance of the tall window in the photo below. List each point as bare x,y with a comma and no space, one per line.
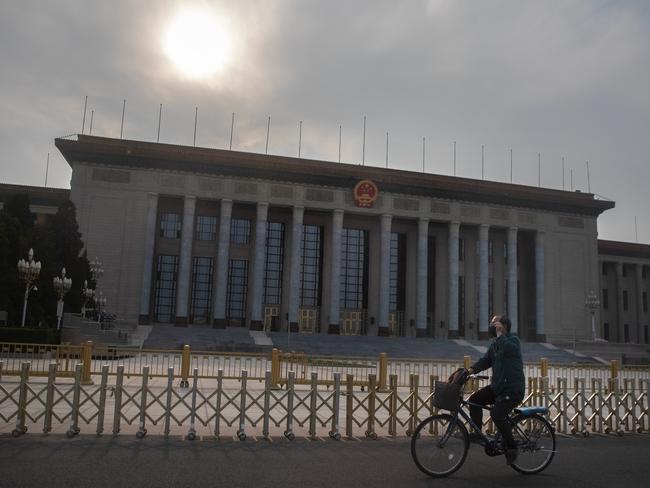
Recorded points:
605,299
505,253
606,331
170,225
354,266
626,332
397,273
645,301
165,292
206,228
312,257
461,249
201,289
624,270
604,266
490,251
644,273
625,300
240,231
236,293
274,263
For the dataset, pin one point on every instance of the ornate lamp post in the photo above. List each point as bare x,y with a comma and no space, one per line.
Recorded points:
592,303
61,286
28,272
96,270
88,293
100,302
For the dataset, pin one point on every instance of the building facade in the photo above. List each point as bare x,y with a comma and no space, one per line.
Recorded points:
206,237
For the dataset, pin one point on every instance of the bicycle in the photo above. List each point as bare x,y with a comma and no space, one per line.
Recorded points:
440,443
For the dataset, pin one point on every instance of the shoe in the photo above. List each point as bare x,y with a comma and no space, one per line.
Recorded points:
476,438
511,455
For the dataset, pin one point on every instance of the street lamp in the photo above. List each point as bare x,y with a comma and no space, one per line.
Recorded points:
28,272
592,303
61,286
100,302
96,270
88,293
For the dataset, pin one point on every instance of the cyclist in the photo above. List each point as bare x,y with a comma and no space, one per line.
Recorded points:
507,387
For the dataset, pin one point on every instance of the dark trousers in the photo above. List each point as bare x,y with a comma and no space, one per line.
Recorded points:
501,406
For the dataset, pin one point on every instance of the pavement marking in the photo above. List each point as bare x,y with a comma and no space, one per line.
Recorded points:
260,338
464,343
548,345
598,358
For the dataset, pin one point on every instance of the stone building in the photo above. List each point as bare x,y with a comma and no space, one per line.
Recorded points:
206,237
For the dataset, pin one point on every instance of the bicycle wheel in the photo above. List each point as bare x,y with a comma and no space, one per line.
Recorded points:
439,445
536,443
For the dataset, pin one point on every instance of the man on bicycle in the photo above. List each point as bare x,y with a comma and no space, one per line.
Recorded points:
507,387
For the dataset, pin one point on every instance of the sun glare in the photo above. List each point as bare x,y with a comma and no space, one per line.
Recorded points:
197,43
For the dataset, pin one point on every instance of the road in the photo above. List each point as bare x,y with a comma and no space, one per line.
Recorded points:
53,461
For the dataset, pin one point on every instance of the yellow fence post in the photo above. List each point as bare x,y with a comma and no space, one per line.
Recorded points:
185,366
614,369
544,367
86,360
275,367
383,371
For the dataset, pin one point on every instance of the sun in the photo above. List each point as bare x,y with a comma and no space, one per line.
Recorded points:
197,43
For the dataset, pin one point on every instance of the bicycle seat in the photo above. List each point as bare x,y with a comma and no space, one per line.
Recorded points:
528,411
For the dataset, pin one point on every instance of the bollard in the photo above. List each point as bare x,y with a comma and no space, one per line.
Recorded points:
74,415
142,431
267,404
86,361
349,405
21,428
102,400
383,371
372,395
392,407
49,401
334,433
1,366
614,367
117,412
191,435
289,432
217,408
312,405
168,400
241,432
544,367
185,367
275,367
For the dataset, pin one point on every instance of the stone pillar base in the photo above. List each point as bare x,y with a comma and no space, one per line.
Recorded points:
483,336
421,332
453,334
293,327
180,322
144,320
540,337
219,323
383,331
257,325
334,329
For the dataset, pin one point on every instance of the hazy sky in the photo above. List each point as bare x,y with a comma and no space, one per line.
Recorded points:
561,78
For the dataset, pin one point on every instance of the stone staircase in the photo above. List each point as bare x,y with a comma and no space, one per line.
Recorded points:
123,333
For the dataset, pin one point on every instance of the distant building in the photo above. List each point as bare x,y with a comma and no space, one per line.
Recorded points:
43,202
206,237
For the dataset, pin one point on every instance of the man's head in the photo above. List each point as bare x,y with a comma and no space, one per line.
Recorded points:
501,324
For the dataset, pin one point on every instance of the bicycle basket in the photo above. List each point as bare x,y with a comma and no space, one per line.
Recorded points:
446,396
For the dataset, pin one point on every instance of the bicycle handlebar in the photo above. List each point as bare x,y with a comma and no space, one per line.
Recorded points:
479,377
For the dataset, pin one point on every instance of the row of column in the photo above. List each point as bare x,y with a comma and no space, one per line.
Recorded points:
259,257
620,306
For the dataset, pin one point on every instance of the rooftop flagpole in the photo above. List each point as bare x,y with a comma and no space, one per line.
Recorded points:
92,116
268,130
232,128
196,116
122,124
47,169
159,120
83,122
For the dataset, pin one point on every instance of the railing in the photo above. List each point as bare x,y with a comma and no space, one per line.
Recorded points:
311,410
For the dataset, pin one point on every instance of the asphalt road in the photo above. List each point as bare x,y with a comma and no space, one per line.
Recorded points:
54,461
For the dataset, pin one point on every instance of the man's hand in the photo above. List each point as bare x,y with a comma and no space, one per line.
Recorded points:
500,329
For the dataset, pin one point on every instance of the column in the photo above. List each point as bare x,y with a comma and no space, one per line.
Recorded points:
259,261
454,230
384,275
294,277
335,272
512,278
483,288
540,330
639,305
617,333
185,262
221,278
149,245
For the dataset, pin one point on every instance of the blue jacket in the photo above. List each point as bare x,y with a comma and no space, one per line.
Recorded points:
504,356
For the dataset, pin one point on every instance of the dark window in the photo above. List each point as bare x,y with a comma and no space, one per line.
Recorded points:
240,231
490,251
490,298
170,225
165,293
626,332
461,300
644,272
201,289
625,304
605,299
606,331
397,280
274,263
604,266
237,289
624,270
312,257
645,301
505,253
645,334
354,266
461,249
206,228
